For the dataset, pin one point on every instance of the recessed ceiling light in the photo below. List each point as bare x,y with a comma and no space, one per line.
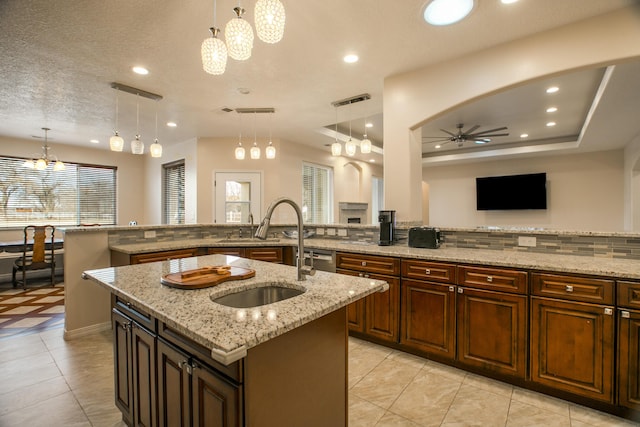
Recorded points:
553,89
140,70
551,124
369,125
244,90
524,135
94,141
351,58
552,109
446,12
508,1
171,124
437,146
372,161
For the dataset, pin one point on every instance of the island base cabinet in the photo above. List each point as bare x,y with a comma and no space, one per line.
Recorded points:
492,331
135,371
572,347
428,313
174,404
629,359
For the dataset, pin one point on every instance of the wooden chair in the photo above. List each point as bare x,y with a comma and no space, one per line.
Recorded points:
35,254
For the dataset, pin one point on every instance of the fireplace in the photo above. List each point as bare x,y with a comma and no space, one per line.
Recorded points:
353,213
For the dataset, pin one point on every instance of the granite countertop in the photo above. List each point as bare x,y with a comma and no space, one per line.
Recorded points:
230,332
611,267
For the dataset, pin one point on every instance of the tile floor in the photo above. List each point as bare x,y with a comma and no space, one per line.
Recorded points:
35,309
46,381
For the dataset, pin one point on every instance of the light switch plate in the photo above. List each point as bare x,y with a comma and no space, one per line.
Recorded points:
529,241
150,234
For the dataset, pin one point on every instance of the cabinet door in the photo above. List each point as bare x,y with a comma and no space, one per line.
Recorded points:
382,311
492,331
239,252
143,347
122,365
629,359
572,347
355,310
428,317
216,402
174,404
162,256
265,254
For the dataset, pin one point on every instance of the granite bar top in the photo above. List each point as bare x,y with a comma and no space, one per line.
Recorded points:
616,268
230,332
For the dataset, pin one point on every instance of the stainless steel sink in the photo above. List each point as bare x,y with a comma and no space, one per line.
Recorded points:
247,240
258,296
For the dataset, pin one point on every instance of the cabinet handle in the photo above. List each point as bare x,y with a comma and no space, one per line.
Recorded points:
126,326
460,291
568,288
608,311
360,274
366,275
452,288
625,314
364,263
489,279
427,271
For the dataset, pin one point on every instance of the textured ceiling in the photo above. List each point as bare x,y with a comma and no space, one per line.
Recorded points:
59,58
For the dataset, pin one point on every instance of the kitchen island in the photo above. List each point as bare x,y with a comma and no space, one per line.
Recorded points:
181,356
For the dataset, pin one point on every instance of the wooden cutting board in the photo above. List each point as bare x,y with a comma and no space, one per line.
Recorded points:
206,276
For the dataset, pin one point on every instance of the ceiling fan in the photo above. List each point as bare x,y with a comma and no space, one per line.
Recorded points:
481,137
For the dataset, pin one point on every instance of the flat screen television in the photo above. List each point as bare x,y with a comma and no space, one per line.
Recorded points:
512,192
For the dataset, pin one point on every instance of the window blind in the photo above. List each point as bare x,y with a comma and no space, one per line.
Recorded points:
173,193
80,194
317,194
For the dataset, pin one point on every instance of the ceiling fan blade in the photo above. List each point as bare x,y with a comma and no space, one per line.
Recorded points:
471,129
487,136
440,137
437,140
490,130
447,132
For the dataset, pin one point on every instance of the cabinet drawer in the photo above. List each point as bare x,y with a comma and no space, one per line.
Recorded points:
134,313
163,256
264,254
495,279
629,294
239,252
431,271
572,288
369,263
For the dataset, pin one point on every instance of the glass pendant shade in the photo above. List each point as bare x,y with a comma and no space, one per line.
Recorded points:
137,146
365,145
336,149
41,164
240,152
255,151
350,147
29,164
270,151
116,143
155,149
269,20
59,166
239,37
214,54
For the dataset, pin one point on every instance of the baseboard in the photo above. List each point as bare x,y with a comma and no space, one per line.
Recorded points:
83,332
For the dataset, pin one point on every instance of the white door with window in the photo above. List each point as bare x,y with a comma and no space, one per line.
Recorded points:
237,194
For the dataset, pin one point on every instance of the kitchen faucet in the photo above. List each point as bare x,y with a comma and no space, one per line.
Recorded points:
251,221
263,228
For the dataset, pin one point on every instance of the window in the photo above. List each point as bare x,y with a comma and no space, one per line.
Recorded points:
377,198
317,194
173,193
80,194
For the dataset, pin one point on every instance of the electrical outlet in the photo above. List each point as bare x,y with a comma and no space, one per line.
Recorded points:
150,234
331,231
527,241
320,231
342,232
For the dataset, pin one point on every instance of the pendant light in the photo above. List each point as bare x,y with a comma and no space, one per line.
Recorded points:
269,20
44,160
239,36
270,151
350,146
137,146
365,144
336,147
213,50
255,150
240,149
116,143
156,148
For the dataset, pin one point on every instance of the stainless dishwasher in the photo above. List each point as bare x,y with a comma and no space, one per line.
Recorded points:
323,259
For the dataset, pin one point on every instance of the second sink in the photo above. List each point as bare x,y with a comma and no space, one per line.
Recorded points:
258,296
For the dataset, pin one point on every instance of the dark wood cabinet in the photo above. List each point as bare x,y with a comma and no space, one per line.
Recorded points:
135,371
174,403
492,331
376,316
493,279
162,256
267,253
629,359
572,347
216,402
573,288
428,316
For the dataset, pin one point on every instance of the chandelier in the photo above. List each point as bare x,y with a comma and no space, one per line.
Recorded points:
350,147
238,34
45,159
255,152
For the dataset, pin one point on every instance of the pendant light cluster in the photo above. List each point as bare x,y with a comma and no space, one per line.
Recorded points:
255,152
269,18
116,143
350,147
45,159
